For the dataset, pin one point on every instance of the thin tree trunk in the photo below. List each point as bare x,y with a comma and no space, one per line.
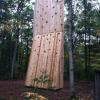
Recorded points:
70,51
89,41
13,61
85,40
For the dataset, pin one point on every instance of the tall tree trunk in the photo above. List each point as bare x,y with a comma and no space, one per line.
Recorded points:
70,51
15,53
85,40
89,41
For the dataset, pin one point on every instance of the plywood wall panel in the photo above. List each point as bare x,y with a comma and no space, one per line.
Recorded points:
61,75
49,16
34,56
47,48
46,57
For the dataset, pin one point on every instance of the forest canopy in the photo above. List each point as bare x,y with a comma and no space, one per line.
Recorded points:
16,32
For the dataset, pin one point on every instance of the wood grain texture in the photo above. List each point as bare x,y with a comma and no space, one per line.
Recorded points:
49,16
47,49
46,56
34,56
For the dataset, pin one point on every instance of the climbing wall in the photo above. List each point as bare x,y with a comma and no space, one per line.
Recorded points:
45,68
49,16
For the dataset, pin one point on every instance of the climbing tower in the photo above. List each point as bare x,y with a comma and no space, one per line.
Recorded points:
46,59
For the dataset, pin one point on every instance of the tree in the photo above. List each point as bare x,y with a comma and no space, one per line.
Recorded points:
22,26
5,38
16,18
70,52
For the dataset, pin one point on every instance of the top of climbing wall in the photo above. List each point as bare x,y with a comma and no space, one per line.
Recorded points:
48,16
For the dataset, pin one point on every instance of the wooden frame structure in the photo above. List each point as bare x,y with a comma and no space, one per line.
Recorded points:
47,48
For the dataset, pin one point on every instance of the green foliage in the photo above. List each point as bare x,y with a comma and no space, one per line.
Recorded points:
85,24
74,98
16,19
15,29
33,96
43,79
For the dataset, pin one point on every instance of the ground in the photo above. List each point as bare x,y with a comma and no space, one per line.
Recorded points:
12,90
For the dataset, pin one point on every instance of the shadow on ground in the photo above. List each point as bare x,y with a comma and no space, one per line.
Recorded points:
12,90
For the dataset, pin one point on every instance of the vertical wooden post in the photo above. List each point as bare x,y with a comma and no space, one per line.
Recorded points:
47,49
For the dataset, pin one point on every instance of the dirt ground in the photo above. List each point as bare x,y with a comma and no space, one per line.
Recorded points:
12,90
